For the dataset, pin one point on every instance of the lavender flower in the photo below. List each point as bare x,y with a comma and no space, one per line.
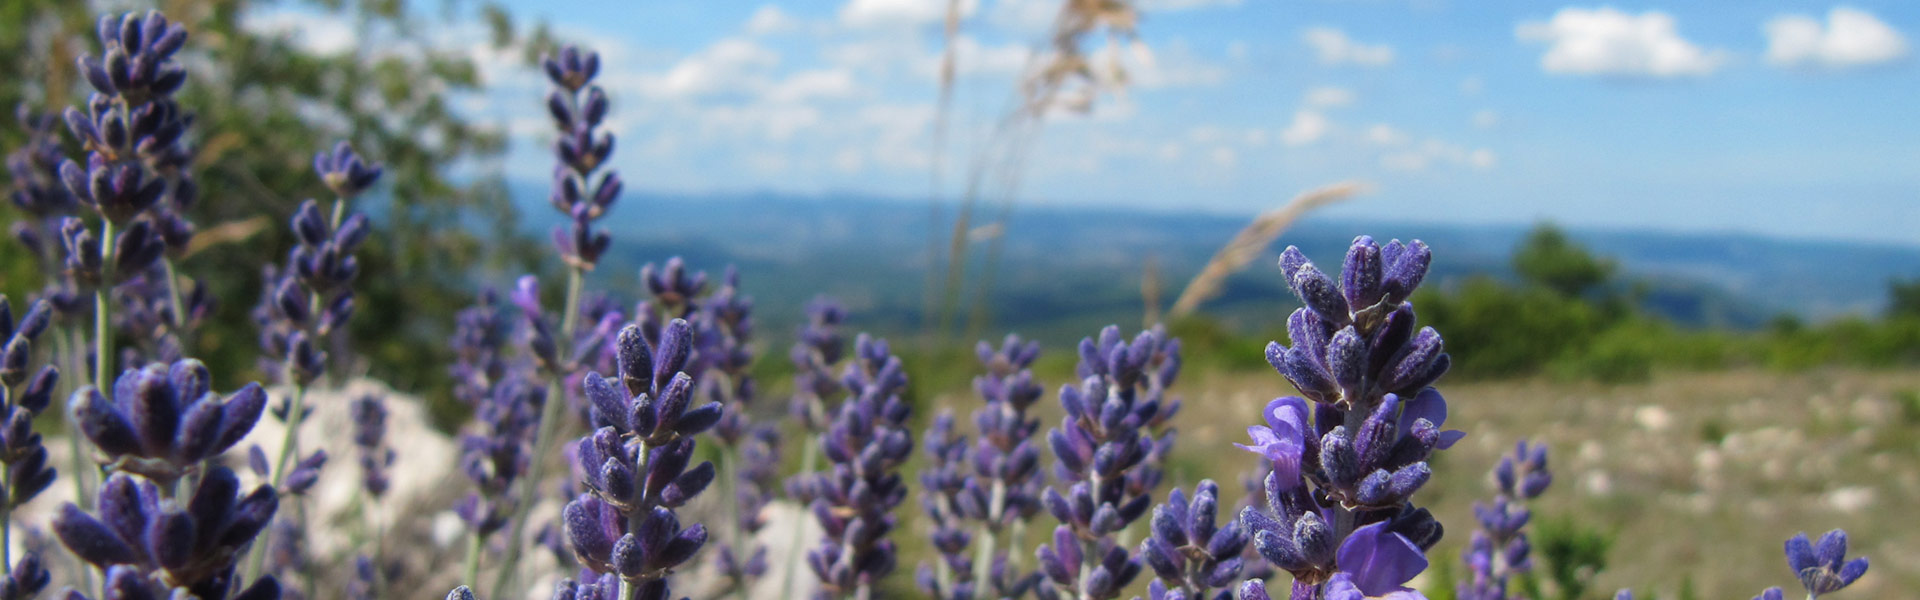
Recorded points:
815,356
723,327
982,489
1823,568
164,420
305,302
866,445
942,482
1499,550
579,107
1102,439
636,465
154,539
1338,515
25,579
23,455
43,200
497,455
369,436
1191,554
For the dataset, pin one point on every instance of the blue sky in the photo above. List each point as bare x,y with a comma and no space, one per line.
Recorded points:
1782,118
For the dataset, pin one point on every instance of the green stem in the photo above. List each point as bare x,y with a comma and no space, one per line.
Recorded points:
179,308
287,444
809,455
543,437
983,563
475,544
103,311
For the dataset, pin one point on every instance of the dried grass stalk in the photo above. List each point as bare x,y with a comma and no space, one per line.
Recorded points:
1253,240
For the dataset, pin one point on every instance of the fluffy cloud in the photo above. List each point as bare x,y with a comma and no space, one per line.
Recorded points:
769,19
1179,5
1429,153
1329,96
1308,126
1333,47
1605,41
899,13
1850,38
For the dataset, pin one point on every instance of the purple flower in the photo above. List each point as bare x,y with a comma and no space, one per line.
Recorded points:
163,421
1188,551
581,191
1283,439
1379,561
867,444
1823,568
194,544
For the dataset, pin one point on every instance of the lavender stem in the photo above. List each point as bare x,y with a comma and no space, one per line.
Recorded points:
542,439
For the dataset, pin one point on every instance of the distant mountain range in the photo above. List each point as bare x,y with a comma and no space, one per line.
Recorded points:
1069,269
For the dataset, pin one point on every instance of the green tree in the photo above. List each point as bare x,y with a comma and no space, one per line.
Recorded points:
263,106
1548,258
1903,298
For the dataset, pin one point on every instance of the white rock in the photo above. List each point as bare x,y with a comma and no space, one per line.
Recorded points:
1653,418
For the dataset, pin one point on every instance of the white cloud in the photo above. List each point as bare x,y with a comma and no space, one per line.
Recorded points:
1606,41
1472,86
1328,96
1225,157
1434,152
769,19
1179,5
1486,119
899,13
1386,135
1850,38
730,65
1333,47
1175,65
320,34
812,84
1308,126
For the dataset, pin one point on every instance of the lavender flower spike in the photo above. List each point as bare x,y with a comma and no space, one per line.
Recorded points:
1101,443
866,444
1499,549
162,421
1193,556
581,190
1823,568
636,465
1348,454
191,546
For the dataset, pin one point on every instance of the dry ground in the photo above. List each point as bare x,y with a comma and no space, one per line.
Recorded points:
1700,474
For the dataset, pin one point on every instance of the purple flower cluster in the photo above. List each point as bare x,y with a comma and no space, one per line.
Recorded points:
134,134
636,465
866,445
1102,451
1194,557
24,393
148,543
1338,514
988,487
579,107
163,421
1500,550
307,300
1822,568
42,198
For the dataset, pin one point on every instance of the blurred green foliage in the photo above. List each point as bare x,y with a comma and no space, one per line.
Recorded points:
264,105
1572,553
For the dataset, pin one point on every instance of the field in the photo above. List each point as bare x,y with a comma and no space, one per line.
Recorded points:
1701,475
